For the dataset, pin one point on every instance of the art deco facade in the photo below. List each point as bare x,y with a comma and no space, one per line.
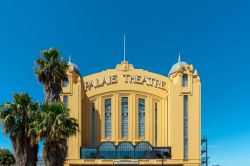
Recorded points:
135,117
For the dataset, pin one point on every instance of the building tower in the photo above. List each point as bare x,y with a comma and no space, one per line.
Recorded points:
184,103
72,97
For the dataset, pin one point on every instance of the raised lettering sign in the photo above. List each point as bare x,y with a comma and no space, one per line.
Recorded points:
128,78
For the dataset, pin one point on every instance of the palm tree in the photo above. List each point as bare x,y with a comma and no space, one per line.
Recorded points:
51,71
17,119
6,157
55,125
54,128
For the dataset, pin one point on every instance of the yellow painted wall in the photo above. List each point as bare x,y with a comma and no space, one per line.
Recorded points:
169,98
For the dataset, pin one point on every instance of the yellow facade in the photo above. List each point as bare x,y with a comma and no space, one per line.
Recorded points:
163,98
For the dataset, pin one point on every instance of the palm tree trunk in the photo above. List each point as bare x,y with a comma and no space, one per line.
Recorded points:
55,153
25,154
52,91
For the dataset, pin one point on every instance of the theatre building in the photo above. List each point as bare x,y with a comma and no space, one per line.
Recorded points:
130,116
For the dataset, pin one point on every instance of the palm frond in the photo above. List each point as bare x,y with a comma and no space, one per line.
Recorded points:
56,123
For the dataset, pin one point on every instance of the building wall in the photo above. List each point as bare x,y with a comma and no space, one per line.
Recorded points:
74,92
167,92
176,95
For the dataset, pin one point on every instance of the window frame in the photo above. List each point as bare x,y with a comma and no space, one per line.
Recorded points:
106,135
184,80
124,135
139,132
185,127
66,101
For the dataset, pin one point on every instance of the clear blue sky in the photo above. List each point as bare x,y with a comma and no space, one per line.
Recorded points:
212,35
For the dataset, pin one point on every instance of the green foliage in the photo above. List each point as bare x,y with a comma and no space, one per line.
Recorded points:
17,119
6,157
50,65
28,122
56,124
54,128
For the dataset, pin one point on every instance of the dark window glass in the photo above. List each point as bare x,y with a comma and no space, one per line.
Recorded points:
141,118
125,150
93,124
107,150
65,101
185,112
88,153
156,124
185,80
143,150
107,118
124,117
65,83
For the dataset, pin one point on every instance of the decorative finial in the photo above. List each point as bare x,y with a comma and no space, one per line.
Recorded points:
124,47
179,58
70,57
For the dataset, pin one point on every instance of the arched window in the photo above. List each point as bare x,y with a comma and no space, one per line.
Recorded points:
107,150
185,80
65,83
143,150
125,150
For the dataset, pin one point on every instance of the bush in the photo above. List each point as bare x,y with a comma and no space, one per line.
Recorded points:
6,158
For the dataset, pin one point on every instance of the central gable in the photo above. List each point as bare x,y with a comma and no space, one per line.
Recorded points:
125,78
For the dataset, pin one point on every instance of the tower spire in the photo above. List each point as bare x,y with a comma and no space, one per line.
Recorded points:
124,47
70,57
179,58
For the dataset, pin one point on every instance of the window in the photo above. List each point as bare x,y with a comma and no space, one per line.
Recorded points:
93,124
156,124
141,116
88,153
107,117
185,113
65,83
143,150
124,117
107,150
125,150
185,80
65,101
